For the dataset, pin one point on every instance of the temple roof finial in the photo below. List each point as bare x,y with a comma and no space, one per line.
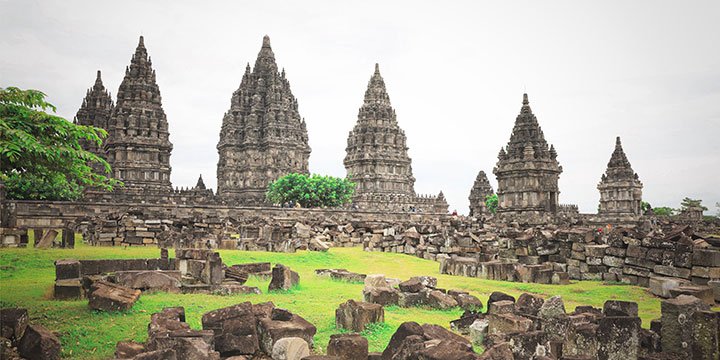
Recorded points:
377,68
266,41
617,141
142,41
98,79
525,99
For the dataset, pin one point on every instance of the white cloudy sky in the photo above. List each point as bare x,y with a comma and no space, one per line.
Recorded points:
648,71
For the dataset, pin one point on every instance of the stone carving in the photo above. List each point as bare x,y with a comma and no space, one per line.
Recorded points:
95,111
527,170
620,188
377,157
138,148
481,188
263,136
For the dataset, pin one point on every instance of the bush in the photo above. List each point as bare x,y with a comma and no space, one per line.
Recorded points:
310,191
491,201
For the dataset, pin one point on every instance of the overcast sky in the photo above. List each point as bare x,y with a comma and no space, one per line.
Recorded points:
648,71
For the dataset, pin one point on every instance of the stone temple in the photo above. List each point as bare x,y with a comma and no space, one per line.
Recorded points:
95,111
263,136
527,170
138,148
620,188
377,156
481,188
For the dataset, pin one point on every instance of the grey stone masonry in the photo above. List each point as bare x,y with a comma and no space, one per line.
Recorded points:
527,170
481,188
620,188
95,111
138,146
263,137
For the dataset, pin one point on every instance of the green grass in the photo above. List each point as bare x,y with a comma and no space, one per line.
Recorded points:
27,277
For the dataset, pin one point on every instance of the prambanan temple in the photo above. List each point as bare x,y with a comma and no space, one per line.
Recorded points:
263,137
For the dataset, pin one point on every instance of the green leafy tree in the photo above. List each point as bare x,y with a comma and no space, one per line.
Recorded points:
40,153
664,211
491,202
310,191
645,206
688,203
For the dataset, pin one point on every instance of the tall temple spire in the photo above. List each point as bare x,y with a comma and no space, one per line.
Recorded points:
138,143
527,169
620,187
95,111
263,136
481,188
377,154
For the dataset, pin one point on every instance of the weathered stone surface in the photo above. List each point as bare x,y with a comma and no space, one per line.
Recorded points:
706,335
468,302
128,349
290,348
350,346
660,285
618,338
376,281
507,323
581,340
67,269
111,297
234,329
13,322
498,296
704,293
355,316
398,343
478,332
501,307
676,317
437,332
47,239
270,331
156,280
706,257
283,278
39,343
498,352
321,357
440,300
382,296
163,354
714,284
552,307
481,188
620,308
412,285
529,304
445,349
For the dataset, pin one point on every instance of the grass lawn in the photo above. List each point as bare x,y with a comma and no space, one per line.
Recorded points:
27,277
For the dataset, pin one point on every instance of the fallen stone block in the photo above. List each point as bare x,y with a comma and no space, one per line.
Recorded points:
529,304
581,340
706,335
552,307
408,337
375,281
440,300
478,332
618,338
349,346
382,296
620,308
236,274
704,293
507,323
111,297
152,280
355,316
501,307
68,289
290,348
661,286
234,329
676,314
67,269
271,329
128,349
283,278
13,322
39,343
164,354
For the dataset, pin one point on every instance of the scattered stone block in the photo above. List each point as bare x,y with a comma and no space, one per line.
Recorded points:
39,343
412,286
507,323
111,297
355,316
150,280
376,281
676,313
478,332
501,307
552,307
349,346
67,269
283,278
271,330
47,239
620,308
290,348
128,349
498,296
529,304
704,293
382,296
618,338
234,329
407,337
163,354
581,340
13,322
706,335
661,285
440,300
68,289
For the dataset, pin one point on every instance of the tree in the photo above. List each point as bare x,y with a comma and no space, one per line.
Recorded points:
664,211
310,191
645,206
40,154
491,202
688,203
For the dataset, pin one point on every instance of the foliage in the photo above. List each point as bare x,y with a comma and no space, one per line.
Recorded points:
664,211
40,154
688,203
645,206
310,191
491,202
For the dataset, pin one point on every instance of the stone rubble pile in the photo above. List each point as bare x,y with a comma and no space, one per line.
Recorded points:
341,274
537,328
415,292
21,340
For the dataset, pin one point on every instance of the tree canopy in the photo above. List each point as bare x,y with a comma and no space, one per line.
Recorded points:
491,201
688,203
310,191
40,154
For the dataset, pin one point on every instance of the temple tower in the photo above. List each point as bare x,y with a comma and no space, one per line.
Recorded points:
481,188
527,170
95,111
263,136
620,188
137,147
377,153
